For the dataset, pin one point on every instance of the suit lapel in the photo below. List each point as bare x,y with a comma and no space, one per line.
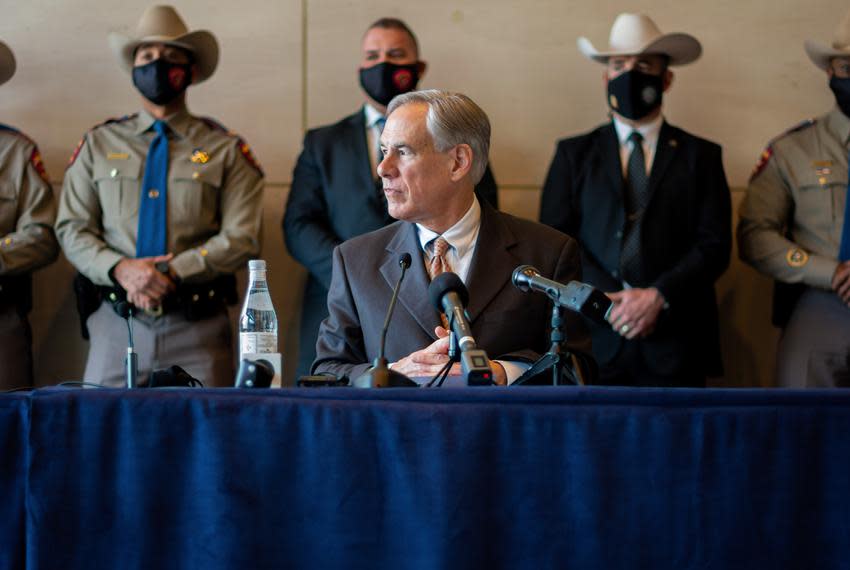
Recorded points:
358,154
492,262
413,294
665,150
609,146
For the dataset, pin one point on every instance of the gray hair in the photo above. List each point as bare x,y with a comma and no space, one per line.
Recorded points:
453,119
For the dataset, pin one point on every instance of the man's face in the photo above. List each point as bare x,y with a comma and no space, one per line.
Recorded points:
147,53
387,45
645,63
839,67
417,178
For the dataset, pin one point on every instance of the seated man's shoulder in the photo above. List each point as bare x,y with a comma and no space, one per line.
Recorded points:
372,244
525,230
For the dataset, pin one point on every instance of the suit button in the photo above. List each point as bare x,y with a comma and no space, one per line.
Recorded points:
619,234
615,273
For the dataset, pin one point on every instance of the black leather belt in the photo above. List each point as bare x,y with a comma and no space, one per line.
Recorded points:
196,301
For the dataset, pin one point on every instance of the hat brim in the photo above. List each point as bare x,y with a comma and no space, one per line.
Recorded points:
820,54
682,49
7,63
201,43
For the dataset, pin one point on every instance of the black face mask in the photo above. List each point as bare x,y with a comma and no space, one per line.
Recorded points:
161,82
841,89
634,94
384,81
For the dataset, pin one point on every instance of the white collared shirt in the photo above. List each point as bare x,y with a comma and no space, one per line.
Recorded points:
461,238
649,132
373,135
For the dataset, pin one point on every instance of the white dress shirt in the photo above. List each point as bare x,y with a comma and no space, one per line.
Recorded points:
649,132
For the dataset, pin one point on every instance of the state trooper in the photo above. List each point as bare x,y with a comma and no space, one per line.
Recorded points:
795,227
27,242
158,210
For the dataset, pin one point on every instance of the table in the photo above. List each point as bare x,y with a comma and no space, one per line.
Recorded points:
545,477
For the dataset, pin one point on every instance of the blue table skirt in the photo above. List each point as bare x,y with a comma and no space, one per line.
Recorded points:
432,479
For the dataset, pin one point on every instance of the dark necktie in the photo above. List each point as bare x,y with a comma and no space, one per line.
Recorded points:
153,205
637,196
844,250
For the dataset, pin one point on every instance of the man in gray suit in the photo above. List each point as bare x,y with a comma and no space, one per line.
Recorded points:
435,147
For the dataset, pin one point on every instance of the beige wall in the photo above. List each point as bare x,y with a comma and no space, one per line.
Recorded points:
291,64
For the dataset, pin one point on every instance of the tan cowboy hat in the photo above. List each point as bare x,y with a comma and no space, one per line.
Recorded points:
7,63
634,34
821,54
163,24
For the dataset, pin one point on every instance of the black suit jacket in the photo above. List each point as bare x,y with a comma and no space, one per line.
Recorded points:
508,324
334,198
686,238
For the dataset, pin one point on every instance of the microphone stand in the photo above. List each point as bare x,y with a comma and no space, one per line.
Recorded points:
557,359
131,363
380,375
454,356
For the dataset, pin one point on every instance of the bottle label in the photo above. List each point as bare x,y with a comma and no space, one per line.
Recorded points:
262,342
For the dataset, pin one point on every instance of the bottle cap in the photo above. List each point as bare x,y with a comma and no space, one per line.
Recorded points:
257,265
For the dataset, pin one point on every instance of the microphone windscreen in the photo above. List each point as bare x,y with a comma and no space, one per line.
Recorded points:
518,277
404,261
444,283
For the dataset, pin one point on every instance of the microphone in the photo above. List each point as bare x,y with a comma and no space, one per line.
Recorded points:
449,295
379,375
576,296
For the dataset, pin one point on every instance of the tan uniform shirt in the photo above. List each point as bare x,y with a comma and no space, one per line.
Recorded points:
27,207
793,214
214,197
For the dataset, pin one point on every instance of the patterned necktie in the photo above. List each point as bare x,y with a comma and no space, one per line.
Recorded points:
153,206
439,265
637,196
844,250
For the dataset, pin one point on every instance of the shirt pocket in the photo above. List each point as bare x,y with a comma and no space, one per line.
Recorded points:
8,209
194,192
118,183
815,204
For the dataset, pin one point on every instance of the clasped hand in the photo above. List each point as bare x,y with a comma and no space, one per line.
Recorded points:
146,286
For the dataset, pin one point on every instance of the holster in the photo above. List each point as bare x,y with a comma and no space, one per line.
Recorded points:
88,300
785,297
16,291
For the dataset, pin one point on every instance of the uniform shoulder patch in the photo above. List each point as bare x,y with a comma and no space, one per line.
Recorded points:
38,164
767,153
244,149
110,121
35,155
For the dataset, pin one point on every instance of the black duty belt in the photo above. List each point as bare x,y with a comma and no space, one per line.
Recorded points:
195,301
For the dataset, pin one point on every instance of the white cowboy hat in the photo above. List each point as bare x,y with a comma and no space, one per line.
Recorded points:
7,63
163,24
634,34
840,47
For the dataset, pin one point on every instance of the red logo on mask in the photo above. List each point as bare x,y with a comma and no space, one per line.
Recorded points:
403,79
177,76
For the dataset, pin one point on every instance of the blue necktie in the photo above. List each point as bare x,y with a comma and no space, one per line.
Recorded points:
844,250
153,207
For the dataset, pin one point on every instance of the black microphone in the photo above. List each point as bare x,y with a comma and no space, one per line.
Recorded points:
379,375
449,295
576,296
